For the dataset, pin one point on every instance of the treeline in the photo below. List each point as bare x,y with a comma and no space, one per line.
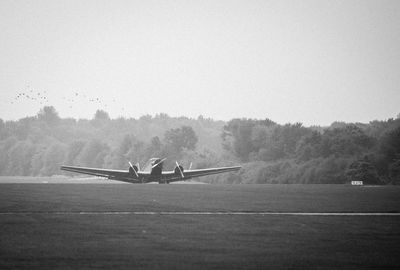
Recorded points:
292,153
269,152
38,145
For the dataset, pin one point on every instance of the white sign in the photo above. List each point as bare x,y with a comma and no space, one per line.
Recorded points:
357,183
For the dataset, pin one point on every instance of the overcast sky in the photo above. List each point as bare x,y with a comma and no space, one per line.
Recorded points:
313,62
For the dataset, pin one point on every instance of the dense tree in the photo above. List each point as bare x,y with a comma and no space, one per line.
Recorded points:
155,148
100,118
269,152
390,145
53,159
92,154
309,146
19,158
394,172
284,140
179,138
49,115
73,150
388,154
37,162
238,136
363,170
101,115
126,151
347,141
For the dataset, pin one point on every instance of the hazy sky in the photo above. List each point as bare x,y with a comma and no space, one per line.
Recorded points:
291,61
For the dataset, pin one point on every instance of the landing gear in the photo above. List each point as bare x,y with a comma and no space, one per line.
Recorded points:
163,182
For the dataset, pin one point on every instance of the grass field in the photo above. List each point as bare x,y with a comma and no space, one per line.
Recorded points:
41,227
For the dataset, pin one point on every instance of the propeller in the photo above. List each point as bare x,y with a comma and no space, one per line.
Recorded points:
161,161
133,169
190,166
179,168
138,166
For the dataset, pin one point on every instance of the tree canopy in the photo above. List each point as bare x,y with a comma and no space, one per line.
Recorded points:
269,152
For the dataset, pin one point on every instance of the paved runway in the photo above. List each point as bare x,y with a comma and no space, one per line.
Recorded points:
196,213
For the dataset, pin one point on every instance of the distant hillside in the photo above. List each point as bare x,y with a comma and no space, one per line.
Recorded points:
269,152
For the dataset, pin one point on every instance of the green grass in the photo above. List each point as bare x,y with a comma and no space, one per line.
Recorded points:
198,242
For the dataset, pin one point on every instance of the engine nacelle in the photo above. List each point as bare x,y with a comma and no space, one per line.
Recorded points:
133,170
176,170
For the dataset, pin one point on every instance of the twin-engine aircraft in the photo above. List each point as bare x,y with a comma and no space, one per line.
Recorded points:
153,172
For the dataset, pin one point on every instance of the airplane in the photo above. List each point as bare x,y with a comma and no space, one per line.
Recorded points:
153,172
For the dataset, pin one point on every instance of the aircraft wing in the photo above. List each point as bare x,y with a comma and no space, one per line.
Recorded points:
144,177
110,174
188,174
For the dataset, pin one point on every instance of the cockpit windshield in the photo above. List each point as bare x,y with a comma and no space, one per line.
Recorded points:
150,163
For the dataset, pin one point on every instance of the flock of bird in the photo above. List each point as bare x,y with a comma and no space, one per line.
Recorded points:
31,95
42,98
83,97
